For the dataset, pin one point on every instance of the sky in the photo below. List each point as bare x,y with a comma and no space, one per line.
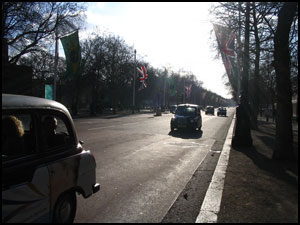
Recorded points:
174,35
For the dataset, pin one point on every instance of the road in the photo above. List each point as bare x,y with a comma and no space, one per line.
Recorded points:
142,167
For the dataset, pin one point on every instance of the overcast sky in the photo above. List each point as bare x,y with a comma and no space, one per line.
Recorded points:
165,34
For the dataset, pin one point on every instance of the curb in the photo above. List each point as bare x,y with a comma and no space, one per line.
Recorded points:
212,201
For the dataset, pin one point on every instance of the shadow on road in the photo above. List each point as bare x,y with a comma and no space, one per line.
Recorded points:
186,134
124,114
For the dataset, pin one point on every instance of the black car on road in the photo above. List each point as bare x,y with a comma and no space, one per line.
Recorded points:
209,110
221,111
187,116
173,108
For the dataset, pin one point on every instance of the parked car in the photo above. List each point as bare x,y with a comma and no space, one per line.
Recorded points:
44,165
187,116
173,108
222,111
209,110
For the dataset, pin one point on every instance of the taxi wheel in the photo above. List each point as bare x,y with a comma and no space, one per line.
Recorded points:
65,208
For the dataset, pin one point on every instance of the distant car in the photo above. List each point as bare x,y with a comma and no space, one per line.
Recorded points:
187,116
209,110
173,108
42,171
222,111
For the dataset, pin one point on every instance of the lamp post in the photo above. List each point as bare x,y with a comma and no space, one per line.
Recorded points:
134,75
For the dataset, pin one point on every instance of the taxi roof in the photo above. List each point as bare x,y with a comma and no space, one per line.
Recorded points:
12,101
188,105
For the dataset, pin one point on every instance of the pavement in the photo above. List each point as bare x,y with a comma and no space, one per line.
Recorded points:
258,189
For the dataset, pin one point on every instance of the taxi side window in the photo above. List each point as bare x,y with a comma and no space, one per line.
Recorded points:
18,137
56,131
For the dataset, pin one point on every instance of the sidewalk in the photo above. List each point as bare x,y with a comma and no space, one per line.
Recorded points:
258,189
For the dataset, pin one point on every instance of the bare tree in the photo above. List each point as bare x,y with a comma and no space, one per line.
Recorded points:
108,67
28,26
93,50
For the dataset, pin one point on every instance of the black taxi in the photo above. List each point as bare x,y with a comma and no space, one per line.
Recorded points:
44,165
187,116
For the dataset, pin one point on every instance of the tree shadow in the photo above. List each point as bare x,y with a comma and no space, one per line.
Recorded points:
266,128
274,167
122,114
186,134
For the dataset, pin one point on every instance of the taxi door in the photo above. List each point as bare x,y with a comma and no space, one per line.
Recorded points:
25,176
25,193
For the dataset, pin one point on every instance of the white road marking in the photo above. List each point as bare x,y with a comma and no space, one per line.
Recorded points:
130,123
96,128
212,201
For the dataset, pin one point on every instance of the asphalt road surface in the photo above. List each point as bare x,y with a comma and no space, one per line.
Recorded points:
142,167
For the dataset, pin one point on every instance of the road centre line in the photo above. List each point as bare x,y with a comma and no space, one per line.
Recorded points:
212,201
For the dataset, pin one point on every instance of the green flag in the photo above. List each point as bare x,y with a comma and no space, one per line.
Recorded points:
73,54
172,86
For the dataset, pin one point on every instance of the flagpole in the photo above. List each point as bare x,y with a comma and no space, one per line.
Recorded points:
134,75
55,65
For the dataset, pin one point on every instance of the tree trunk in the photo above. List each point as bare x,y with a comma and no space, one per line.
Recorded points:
297,110
284,134
255,93
242,136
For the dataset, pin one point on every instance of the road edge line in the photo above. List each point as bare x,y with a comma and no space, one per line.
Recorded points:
212,200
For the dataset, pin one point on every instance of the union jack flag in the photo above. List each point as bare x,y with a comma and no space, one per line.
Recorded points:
188,90
225,39
143,72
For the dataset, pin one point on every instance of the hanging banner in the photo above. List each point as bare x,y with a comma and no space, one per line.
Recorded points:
143,77
225,39
172,86
49,91
188,90
203,95
73,54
